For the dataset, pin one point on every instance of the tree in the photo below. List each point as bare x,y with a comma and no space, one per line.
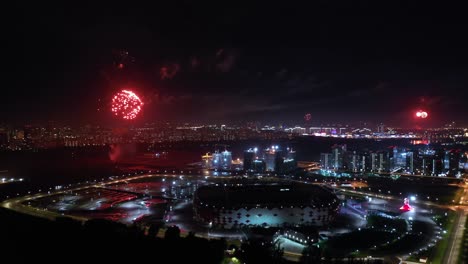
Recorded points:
277,251
172,233
310,254
153,230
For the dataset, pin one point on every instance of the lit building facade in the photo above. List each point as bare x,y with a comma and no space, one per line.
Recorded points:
271,160
430,162
338,152
217,160
400,160
250,156
276,205
325,161
452,162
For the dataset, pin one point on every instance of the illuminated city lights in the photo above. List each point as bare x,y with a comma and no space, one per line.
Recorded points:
236,134
126,104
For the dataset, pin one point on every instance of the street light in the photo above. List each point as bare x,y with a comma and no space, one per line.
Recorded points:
209,228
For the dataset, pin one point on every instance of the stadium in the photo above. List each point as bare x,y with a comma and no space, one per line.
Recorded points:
266,204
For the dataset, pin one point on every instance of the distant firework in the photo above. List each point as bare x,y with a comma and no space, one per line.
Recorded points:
421,114
122,59
126,104
307,117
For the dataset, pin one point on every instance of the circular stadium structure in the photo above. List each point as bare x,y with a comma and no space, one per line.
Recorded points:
265,204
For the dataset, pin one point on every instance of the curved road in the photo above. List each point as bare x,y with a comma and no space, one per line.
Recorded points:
455,237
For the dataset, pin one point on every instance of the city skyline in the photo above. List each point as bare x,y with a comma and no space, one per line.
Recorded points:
235,132
265,63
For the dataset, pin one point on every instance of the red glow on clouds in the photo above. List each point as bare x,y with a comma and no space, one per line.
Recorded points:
126,104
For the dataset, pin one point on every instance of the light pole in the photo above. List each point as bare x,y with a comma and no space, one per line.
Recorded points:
209,228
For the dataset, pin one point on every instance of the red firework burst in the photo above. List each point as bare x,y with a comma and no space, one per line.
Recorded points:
421,114
126,104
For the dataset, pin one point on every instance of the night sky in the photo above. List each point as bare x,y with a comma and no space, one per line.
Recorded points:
196,62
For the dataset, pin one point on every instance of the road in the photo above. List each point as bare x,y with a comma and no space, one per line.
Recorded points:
9,180
391,197
456,236
17,204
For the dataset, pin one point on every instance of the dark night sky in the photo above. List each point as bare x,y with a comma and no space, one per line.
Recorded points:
233,62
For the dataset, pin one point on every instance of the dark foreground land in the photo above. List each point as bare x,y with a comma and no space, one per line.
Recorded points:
29,239
33,240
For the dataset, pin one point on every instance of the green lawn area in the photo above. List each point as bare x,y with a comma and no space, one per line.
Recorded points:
463,257
352,242
417,239
425,190
384,223
231,260
441,247
383,236
406,243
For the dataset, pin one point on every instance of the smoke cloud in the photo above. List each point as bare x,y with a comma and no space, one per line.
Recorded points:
118,152
169,71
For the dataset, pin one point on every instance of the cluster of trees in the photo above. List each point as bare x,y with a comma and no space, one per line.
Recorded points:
30,239
27,239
